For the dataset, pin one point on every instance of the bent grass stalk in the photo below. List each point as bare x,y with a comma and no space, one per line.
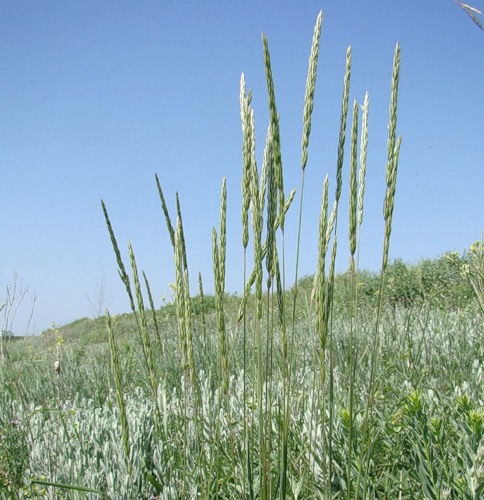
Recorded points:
121,269
69,487
166,213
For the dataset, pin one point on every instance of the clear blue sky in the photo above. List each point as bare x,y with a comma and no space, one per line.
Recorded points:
95,97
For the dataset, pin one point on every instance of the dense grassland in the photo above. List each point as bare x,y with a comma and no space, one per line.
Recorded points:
425,430
357,385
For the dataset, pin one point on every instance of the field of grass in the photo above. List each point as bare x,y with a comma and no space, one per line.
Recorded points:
424,433
349,386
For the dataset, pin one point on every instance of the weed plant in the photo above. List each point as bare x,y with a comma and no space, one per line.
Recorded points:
329,389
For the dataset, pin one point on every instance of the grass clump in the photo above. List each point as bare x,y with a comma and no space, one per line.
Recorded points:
330,389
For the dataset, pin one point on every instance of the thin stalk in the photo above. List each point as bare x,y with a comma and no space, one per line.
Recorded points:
219,252
328,315
393,147
154,317
203,317
118,383
143,327
359,222
353,207
330,285
307,121
70,487
249,163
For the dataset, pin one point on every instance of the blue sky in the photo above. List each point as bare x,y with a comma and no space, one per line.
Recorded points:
95,97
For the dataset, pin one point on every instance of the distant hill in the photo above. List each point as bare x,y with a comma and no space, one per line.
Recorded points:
439,282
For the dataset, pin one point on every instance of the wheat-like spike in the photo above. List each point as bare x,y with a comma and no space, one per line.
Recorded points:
392,124
188,327
118,383
153,312
255,277
253,159
221,281
164,207
287,205
180,294
393,156
314,292
325,230
255,201
266,159
320,276
276,139
342,130
215,261
121,269
331,222
275,200
271,218
202,306
328,299
353,242
289,200
279,178
271,188
143,325
353,197
363,158
310,89
280,296
220,310
258,190
353,237
274,116
182,232
258,259
471,11
242,100
223,233
257,206
263,247
393,151
390,201
245,114
248,286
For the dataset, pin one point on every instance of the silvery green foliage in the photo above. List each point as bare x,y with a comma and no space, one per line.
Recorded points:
80,444
78,441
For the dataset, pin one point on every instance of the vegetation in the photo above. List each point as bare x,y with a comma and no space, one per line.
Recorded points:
362,385
471,11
